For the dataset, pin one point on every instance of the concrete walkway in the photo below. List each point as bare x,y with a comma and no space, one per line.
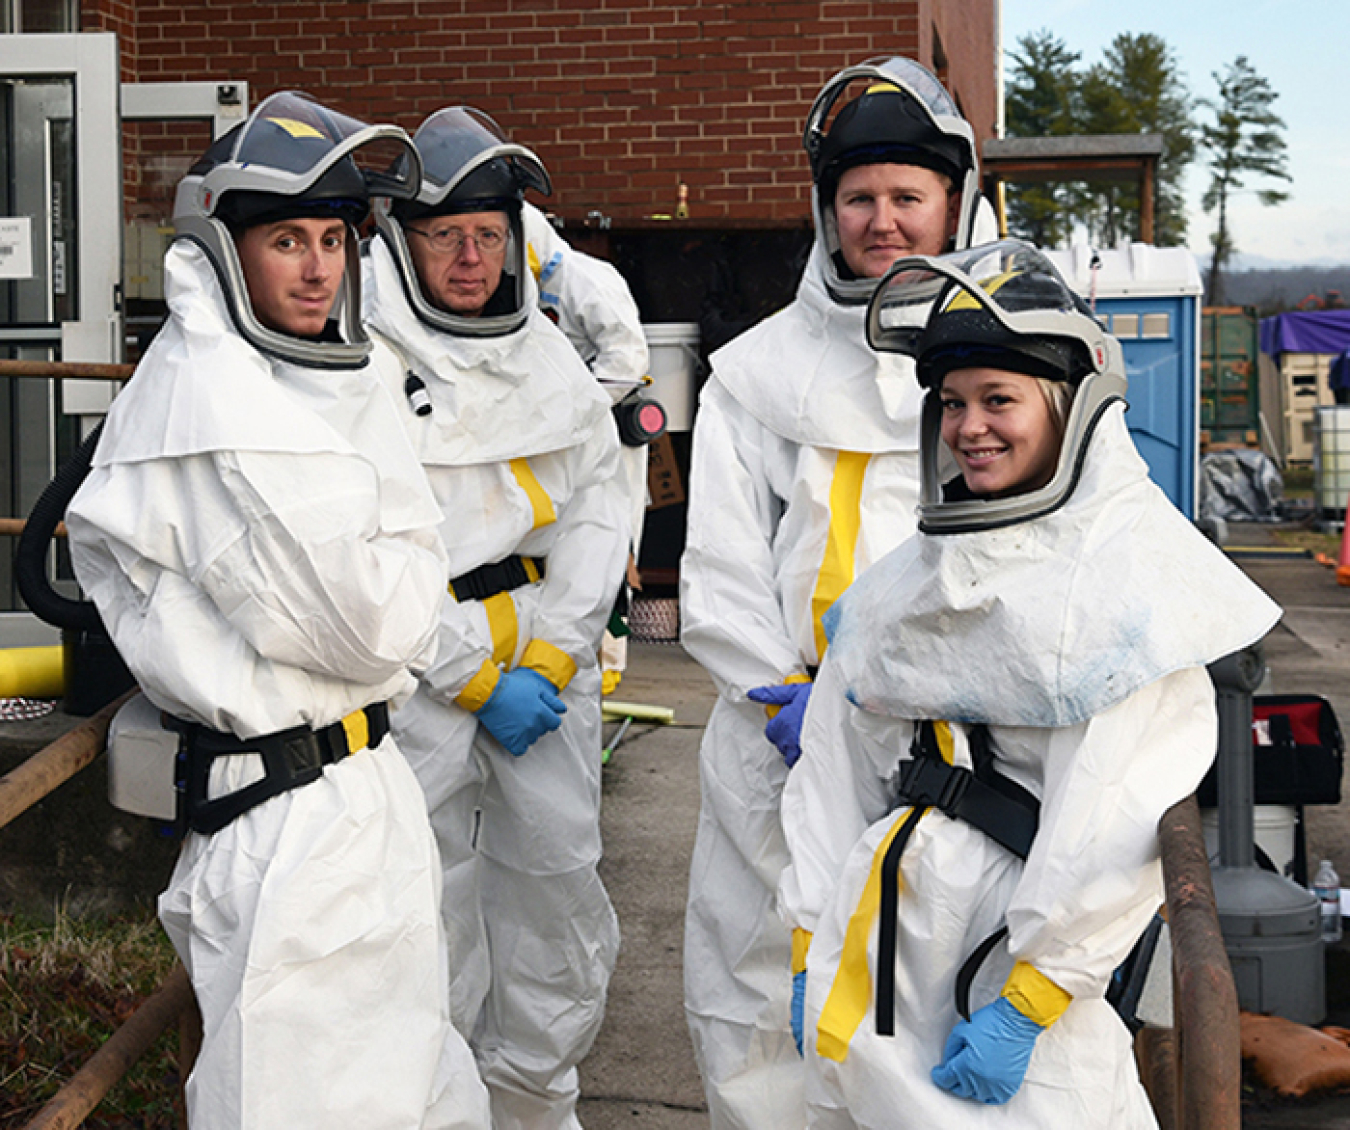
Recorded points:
640,1074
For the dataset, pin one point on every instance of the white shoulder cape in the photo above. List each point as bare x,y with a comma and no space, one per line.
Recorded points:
1051,621
201,388
807,374
494,398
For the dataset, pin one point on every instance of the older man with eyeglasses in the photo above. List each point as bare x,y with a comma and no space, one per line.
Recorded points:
459,259
503,732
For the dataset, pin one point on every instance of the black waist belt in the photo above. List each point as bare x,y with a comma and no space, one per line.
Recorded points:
501,576
291,758
984,799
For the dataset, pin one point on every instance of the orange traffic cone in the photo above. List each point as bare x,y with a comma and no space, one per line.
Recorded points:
1343,559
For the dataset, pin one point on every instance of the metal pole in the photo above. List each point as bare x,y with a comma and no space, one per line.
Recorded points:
1208,1042
86,1088
1235,677
80,370
55,764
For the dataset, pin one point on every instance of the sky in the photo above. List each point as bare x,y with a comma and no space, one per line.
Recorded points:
1302,49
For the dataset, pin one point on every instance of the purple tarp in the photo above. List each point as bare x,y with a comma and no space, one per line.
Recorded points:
1311,331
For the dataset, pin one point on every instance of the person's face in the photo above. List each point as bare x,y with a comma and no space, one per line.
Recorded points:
884,212
999,427
293,269
457,272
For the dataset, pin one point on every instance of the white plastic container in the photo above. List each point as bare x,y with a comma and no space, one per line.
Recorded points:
673,347
1273,828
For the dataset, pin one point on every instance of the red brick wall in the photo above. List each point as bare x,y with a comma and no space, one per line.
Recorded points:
118,16
623,99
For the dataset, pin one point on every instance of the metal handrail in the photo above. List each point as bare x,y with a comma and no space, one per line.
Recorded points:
20,789
60,370
54,764
1193,1072
74,1102
67,370
41,775
13,527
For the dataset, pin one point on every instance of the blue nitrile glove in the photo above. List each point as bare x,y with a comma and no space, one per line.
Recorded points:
986,1057
522,708
798,1008
784,728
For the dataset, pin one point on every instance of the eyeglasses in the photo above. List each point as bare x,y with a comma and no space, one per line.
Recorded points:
450,241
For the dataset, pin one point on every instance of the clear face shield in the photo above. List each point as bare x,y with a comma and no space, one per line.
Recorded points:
468,165
927,130
293,155
969,309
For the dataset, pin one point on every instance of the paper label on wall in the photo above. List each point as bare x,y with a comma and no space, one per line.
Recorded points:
16,247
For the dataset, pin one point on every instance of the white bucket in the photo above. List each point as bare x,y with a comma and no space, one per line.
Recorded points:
674,367
1273,827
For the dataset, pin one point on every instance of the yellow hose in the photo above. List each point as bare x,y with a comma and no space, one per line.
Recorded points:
32,672
637,711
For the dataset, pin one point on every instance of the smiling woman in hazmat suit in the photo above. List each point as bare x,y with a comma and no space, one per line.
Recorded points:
804,471
503,733
1010,702
261,543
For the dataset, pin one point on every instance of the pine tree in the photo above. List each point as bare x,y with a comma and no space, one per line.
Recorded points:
1042,101
1244,139
1152,92
1136,88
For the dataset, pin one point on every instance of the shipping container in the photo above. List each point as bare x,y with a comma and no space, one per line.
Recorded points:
1229,384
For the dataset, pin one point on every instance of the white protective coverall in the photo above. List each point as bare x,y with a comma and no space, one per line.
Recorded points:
1080,638
804,472
522,455
261,544
590,302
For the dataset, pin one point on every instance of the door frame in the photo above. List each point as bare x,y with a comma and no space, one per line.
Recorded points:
91,59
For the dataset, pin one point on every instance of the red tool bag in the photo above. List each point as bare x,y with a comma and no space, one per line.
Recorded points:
1297,753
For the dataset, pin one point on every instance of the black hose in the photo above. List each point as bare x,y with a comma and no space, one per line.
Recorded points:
30,559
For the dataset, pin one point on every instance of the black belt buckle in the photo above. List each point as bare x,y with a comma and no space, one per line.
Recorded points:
929,782
488,580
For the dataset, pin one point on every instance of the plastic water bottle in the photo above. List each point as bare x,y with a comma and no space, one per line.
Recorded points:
1327,888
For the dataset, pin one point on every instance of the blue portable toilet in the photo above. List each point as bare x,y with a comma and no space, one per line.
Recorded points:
1149,297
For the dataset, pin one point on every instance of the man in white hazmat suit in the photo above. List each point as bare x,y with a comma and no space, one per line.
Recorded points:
261,543
590,302
804,471
504,732
1010,702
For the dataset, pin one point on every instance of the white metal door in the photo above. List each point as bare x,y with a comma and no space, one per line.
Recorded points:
60,246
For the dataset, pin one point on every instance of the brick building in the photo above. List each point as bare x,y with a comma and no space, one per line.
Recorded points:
624,100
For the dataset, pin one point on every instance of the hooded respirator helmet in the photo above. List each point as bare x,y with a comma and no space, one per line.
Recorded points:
999,306
468,166
293,158
903,116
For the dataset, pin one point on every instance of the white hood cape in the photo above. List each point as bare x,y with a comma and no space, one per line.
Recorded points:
179,403
1050,621
807,374
495,398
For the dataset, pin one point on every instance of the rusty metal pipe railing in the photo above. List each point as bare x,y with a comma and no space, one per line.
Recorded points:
1202,1072
13,527
20,789
86,1088
54,764
67,370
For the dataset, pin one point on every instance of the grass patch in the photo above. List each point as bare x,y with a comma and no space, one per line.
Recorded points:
1315,541
65,987
1298,481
